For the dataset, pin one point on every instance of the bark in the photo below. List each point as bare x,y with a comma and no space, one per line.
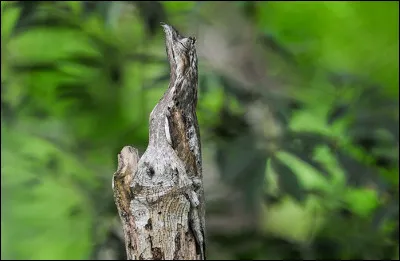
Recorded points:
159,196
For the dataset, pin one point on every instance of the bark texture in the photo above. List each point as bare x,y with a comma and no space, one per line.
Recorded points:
160,196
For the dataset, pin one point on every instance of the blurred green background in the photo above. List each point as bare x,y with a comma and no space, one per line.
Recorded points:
298,110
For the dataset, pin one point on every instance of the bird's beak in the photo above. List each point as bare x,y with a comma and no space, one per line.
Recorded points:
167,28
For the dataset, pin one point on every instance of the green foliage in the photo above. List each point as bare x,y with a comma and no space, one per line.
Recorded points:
351,37
79,80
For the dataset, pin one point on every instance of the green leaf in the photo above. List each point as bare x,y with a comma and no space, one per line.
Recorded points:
9,18
362,201
41,209
46,44
288,181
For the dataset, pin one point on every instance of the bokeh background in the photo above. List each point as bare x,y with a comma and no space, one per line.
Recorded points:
298,110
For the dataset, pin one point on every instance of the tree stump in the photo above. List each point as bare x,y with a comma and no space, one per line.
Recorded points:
160,196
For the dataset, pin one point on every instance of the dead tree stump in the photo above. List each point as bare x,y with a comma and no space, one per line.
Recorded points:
160,196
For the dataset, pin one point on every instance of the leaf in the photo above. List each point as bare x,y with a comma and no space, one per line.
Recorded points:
233,158
9,18
155,83
177,7
230,126
308,158
42,44
380,148
29,22
305,141
27,10
34,67
270,42
243,165
359,175
78,93
279,105
385,212
145,58
33,216
288,181
366,126
86,59
337,112
361,201
240,93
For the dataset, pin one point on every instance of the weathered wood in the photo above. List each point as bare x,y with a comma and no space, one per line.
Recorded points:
160,197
